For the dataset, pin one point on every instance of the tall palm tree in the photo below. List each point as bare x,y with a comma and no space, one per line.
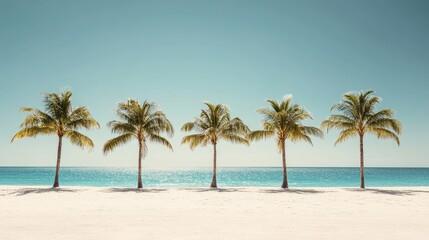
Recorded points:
143,122
358,117
60,119
284,120
213,125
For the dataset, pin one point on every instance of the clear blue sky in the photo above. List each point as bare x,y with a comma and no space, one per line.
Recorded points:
240,53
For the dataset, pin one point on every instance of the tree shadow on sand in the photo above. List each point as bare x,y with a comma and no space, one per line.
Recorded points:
297,191
215,189
135,190
388,191
26,191
293,190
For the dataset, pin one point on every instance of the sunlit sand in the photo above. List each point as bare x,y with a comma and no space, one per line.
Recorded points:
226,213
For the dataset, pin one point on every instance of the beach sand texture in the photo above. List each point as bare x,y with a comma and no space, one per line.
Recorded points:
226,213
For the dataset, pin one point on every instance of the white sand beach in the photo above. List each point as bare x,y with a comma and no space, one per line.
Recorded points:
228,213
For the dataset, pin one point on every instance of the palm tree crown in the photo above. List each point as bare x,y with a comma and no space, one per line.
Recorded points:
142,122
59,118
284,120
213,125
359,116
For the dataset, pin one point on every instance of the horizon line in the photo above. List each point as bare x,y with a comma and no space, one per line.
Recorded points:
196,167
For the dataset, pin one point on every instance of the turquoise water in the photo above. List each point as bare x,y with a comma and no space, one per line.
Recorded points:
227,177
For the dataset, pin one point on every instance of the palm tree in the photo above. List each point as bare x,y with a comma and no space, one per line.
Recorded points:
284,120
213,125
360,117
60,119
143,122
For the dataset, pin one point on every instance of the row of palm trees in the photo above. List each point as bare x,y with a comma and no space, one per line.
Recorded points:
145,122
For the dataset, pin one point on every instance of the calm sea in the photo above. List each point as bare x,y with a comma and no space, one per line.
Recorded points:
227,177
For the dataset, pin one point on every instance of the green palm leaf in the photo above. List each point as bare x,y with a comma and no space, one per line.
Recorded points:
79,139
116,142
284,119
213,125
59,118
141,121
359,117
161,140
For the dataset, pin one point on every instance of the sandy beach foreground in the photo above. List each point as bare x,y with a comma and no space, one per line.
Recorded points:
228,213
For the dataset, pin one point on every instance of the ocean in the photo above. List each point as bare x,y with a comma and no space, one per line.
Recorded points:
226,177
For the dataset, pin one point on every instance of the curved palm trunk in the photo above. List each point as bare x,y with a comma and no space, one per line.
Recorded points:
214,182
57,169
362,177
285,183
139,181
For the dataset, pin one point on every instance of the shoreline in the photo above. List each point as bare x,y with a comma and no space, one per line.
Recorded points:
244,188
3,187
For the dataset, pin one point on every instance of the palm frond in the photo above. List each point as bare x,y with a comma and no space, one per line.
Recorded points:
113,143
142,121
161,140
329,124
358,115
235,138
346,134
195,140
81,118
78,139
27,109
213,124
37,118
274,105
122,127
312,131
33,132
156,123
299,136
238,125
383,133
285,120
187,127
59,118
260,134
84,122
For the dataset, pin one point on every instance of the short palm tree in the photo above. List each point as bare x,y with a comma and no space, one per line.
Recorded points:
359,117
143,122
60,119
284,120
213,125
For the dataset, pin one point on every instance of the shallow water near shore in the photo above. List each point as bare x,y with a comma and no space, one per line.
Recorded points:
228,177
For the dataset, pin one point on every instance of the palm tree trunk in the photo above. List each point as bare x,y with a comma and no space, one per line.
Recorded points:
57,169
362,177
285,183
139,181
214,182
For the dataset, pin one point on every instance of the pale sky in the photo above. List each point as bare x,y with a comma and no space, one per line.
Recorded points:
239,53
